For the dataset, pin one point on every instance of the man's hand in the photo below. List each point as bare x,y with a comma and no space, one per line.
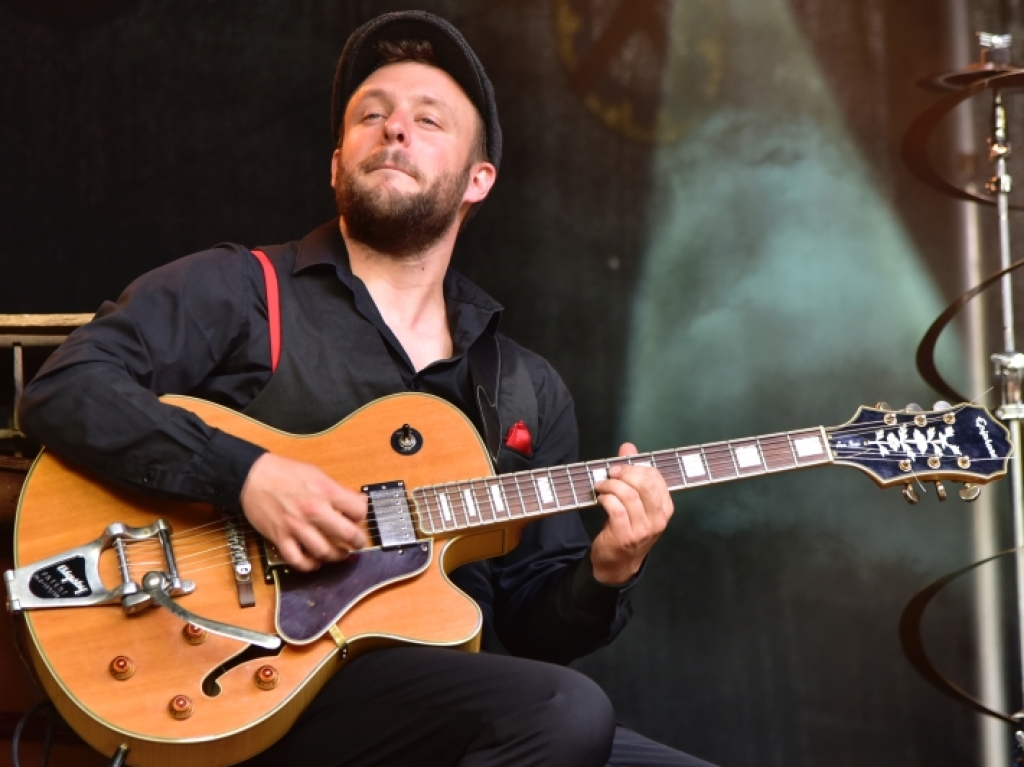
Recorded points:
639,507
306,514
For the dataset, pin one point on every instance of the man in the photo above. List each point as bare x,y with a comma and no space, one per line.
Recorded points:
369,307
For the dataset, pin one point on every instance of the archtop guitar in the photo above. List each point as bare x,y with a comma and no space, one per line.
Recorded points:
173,630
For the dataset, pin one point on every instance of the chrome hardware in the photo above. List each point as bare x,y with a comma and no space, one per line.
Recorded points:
970,492
154,584
72,578
241,565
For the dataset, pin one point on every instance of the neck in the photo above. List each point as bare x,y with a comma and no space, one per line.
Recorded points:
409,294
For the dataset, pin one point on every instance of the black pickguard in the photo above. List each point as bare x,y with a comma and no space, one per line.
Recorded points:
309,603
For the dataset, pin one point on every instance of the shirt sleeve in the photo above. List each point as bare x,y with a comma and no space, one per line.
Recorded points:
95,401
548,605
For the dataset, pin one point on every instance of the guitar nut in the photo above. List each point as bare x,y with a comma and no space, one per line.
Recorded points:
905,465
890,419
921,420
181,707
949,418
934,462
193,634
963,462
266,677
122,668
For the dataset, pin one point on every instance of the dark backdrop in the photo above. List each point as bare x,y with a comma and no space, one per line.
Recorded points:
669,168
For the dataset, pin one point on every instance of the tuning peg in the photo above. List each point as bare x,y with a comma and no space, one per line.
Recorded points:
940,490
910,494
913,407
941,405
970,492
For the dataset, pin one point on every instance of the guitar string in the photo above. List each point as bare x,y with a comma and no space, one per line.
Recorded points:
715,460
714,455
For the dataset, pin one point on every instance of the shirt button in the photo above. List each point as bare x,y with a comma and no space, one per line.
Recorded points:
149,476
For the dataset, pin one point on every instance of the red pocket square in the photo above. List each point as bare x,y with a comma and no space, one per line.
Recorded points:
519,439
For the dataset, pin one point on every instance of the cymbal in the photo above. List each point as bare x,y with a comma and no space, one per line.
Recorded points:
961,78
915,141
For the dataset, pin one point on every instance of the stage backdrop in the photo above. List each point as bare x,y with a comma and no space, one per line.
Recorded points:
701,220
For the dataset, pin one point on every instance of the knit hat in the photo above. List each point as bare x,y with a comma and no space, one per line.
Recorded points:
360,59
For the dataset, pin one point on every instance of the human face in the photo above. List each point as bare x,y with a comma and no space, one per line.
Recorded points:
408,152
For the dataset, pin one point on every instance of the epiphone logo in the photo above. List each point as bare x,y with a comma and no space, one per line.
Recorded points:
70,578
981,423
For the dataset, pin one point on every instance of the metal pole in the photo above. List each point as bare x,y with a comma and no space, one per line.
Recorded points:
990,662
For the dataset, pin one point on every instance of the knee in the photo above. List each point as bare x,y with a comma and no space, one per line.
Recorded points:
579,722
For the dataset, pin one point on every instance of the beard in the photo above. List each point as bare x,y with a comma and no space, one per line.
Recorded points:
391,222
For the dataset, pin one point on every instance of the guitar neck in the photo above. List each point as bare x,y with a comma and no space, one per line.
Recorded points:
456,506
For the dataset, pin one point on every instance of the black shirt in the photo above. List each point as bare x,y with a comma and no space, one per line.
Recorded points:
198,326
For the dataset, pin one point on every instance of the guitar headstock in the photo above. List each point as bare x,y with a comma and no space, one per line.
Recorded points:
964,443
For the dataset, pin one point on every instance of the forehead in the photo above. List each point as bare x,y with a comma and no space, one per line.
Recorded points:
413,81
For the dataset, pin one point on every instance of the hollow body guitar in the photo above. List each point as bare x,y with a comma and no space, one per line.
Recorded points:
171,629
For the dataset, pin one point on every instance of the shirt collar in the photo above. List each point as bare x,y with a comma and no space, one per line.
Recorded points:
471,311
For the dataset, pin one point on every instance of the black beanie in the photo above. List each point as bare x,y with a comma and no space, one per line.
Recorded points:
360,59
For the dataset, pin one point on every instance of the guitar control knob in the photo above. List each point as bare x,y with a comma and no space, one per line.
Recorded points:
181,707
193,634
940,490
122,668
910,494
266,677
970,492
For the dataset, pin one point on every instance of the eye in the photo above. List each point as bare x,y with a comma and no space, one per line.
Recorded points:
430,121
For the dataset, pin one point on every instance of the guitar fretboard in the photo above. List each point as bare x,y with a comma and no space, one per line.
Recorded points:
455,506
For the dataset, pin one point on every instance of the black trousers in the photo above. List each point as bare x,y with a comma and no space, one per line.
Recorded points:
422,706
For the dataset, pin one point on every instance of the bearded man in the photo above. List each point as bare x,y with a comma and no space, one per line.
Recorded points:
366,306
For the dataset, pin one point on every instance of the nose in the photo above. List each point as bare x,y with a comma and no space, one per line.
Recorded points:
396,128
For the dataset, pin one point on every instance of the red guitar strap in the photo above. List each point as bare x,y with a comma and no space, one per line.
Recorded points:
273,307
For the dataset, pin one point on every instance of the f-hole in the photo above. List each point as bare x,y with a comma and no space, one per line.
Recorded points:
211,683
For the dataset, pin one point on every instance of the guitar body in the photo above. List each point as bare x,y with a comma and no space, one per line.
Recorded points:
72,648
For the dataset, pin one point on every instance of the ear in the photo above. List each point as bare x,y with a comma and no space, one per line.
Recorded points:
335,160
481,180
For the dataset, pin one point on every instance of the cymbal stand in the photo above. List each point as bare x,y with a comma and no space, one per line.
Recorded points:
1009,365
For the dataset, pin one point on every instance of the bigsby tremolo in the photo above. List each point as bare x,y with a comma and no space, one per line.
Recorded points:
72,578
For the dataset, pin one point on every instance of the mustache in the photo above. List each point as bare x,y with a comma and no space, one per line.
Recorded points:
390,158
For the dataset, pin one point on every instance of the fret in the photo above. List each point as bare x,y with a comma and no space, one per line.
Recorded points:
469,504
545,491
483,502
778,456
682,472
531,505
492,489
451,495
695,468
423,513
502,500
523,511
810,448
792,449
664,462
572,487
747,458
